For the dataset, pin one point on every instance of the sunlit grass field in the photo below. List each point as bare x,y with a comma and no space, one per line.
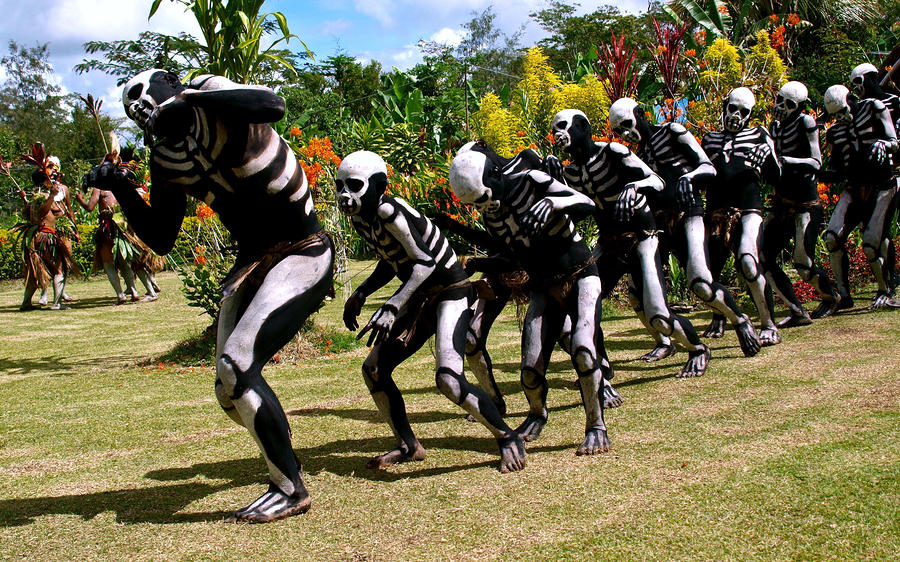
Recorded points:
794,453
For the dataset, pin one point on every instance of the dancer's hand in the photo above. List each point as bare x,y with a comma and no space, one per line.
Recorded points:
626,203
352,308
684,194
380,325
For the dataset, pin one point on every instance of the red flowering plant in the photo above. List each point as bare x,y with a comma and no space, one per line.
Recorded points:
667,53
783,31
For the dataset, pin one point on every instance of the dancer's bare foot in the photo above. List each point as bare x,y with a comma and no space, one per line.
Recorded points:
512,453
396,456
795,320
747,337
611,398
769,336
716,328
595,441
658,352
696,365
532,426
272,506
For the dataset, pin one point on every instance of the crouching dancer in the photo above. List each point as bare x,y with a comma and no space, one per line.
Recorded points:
213,142
433,299
617,182
531,214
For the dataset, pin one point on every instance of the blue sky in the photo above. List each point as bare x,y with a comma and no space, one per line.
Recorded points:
383,30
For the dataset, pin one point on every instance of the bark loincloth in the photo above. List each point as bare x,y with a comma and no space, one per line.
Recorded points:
405,326
786,209
253,273
667,220
562,283
721,223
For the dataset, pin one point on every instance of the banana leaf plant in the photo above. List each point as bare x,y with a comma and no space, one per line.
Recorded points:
233,34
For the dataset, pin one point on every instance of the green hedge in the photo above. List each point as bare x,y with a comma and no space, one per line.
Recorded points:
11,254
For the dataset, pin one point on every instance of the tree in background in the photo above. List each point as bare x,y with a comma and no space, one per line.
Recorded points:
489,55
233,35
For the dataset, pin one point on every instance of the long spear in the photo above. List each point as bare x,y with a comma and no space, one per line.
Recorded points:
93,107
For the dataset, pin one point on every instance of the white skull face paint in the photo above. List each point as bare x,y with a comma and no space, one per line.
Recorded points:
737,109
475,180
561,125
858,78
146,91
355,180
623,120
789,100
837,104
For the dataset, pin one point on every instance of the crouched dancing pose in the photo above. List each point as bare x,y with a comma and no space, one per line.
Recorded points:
674,154
212,140
616,180
433,299
530,214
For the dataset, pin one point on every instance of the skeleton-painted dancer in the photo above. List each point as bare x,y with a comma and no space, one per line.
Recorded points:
531,214
865,84
212,140
675,155
433,299
862,142
618,183
797,213
743,156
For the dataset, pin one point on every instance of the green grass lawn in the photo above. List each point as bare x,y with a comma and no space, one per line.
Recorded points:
794,453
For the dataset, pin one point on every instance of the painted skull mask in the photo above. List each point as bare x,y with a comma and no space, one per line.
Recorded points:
790,100
738,106
476,180
570,126
361,181
623,118
148,90
837,103
858,78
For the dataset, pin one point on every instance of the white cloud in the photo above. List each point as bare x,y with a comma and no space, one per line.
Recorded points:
447,36
381,10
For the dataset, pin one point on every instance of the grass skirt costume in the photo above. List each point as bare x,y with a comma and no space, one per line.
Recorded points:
113,230
46,252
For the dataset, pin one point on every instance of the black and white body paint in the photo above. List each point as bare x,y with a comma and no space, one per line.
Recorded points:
862,143
797,214
530,214
743,156
673,153
433,299
618,182
211,140
485,309
865,84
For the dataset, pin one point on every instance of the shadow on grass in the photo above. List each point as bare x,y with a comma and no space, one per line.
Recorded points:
77,304
56,365
162,504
